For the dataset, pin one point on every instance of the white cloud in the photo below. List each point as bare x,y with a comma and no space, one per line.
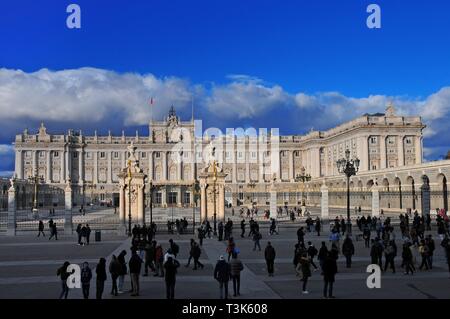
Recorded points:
6,149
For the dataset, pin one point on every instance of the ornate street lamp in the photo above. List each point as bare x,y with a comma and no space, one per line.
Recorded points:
349,167
35,180
129,197
303,178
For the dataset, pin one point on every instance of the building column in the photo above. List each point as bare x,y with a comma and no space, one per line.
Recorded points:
62,155
34,162
81,166
180,168
291,166
247,168
109,172
95,179
234,173
19,164
68,209
48,167
418,149
68,166
122,204
163,197
400,151
164,165
221,203
150,166
383,160
179,199
363,153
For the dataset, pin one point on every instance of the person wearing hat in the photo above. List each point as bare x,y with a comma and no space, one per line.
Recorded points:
222,275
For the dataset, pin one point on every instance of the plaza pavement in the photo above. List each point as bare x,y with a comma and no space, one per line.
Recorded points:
28,269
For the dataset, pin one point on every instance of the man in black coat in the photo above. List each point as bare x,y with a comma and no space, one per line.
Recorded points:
329,272
222,275
220,227
269,255
170,273
135,270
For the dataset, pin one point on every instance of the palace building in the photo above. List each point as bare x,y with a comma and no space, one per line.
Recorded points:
91,164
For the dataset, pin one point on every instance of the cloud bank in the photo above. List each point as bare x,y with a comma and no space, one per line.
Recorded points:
92,98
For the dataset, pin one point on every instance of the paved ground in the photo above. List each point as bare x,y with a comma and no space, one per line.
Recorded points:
28,270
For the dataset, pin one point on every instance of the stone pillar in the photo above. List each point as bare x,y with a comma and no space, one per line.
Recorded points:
179,199
150,166
34,162
68,166
273,202
122,204
11,226
418,149
400,151
375,201
81,166
324,202
164,165
109,172
140,198
383,152
221,208
291,166
19,164
95,180
48,168
203,210
68,209
62,155
163,197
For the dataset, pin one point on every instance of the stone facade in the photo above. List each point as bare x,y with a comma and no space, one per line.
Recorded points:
92,164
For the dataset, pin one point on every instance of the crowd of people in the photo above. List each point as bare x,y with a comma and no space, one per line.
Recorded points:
380,243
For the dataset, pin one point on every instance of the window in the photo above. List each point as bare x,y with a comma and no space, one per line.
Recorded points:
75,154
187,198
373,140
253,154
56,154
27,154
157,154
116,155
227,154
158,198
408,140
239,154
374,167
41,154
88,155
102,154
143,154
172,197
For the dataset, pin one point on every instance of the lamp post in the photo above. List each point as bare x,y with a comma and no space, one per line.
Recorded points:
35,179
129,198
349,167
303,177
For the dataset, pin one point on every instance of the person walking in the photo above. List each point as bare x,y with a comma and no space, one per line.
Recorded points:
190,252
63,275
221,228
174,247
269,255
149,256
83,235
389,253
159,261
222,275
300,235
366,235
431,248
348,250
123,270
318,226
86,276
423,251
312,252
170,267
88,234
53,231
135,263
100,270
407,257
304,267
230,247
201,235
242,228
322,255
41,229
236,267
329,272
114,270
78,231
196,252
256,238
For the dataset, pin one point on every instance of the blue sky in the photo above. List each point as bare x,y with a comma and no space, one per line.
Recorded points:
287,64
